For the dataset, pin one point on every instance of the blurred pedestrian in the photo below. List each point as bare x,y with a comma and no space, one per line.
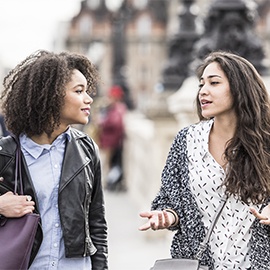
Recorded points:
224,156
43,96
111,137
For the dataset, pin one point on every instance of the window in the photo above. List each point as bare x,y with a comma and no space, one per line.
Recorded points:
144,26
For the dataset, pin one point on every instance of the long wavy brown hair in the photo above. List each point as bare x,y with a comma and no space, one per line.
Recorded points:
248,152
34,90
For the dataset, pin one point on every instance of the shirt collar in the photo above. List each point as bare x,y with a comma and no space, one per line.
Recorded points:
35,149
207,125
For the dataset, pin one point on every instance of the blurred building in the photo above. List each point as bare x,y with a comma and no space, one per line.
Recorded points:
137,46
130,45
127,45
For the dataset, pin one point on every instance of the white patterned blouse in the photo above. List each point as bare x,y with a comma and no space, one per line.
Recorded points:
230,238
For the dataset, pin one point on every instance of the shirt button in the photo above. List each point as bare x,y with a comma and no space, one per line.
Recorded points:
86,158
55,166
55,245
56,225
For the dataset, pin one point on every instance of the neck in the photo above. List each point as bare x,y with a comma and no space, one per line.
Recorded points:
44,138
224,128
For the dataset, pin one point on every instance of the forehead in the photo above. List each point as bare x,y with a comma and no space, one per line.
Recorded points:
213,69
77,75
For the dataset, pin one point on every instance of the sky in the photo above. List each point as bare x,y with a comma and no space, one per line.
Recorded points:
29,25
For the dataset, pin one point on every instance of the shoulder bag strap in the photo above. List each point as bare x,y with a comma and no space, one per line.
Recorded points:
203,245
18,167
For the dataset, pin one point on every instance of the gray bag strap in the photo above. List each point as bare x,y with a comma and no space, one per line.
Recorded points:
204,243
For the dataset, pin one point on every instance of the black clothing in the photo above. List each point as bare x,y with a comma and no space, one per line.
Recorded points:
81,203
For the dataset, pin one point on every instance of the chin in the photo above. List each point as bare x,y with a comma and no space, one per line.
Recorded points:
207,116
84,122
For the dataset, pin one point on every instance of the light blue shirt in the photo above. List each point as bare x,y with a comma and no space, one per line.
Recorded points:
44,164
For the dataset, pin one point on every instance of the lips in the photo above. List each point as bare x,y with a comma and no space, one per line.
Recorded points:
86,110
205,102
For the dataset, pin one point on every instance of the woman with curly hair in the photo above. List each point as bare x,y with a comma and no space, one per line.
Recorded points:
43,97
225,155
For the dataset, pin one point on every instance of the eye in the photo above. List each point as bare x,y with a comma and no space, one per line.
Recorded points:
213,83
201,85
79,91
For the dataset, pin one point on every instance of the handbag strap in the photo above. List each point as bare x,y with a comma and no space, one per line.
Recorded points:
204,243
18,167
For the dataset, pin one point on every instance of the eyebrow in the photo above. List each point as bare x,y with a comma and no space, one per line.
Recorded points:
211,76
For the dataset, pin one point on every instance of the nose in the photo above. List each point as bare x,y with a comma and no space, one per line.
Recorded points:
203,90
88,99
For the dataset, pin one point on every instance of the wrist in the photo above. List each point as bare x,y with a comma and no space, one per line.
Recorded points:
175,217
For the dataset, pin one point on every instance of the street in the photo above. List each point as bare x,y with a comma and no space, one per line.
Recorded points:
129,248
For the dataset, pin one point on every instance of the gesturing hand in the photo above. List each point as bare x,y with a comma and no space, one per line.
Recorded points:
264,216
157,220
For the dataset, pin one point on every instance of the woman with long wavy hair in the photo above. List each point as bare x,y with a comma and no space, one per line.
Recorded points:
225,155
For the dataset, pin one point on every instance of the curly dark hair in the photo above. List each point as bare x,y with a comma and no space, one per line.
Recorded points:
248,152
34,90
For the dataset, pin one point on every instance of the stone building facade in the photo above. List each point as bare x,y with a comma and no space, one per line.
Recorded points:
141,30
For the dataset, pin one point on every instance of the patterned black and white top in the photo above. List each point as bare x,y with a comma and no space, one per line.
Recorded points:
190,185
231,235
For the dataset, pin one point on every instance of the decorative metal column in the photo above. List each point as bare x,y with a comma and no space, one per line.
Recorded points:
180,48
229,26
119,48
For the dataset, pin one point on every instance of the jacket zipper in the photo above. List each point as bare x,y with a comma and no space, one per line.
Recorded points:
86,209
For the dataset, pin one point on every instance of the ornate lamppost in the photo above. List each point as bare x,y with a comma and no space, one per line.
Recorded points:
181,48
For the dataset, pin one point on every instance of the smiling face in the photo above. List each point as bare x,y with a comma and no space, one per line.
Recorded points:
214,94
76,109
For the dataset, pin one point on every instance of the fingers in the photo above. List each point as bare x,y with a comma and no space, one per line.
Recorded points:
167,222
263,219
16,206
145,227
28,210
157,220
145,214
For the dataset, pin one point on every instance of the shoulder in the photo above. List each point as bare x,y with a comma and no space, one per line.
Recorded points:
201,128
83,139
7,145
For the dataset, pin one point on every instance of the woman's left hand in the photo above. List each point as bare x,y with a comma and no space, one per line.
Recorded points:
264,216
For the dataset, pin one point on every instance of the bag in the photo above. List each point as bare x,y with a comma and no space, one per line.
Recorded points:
17,235
190,264
178,264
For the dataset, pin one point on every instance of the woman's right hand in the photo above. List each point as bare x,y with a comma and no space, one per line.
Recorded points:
15,205
157,220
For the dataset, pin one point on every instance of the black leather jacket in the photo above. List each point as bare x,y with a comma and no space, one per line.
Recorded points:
80,197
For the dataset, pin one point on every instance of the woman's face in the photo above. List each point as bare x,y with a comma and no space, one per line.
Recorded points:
76,109
214,94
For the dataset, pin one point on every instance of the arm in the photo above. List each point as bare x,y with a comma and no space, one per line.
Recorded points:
166,207
97,222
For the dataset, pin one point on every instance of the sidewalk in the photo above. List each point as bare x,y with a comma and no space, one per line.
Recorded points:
129,248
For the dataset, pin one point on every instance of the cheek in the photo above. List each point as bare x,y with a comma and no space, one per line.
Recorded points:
228,99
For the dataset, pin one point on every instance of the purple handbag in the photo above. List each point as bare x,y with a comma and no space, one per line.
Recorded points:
17,235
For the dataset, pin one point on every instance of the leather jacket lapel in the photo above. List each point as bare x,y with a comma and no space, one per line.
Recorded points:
72,166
